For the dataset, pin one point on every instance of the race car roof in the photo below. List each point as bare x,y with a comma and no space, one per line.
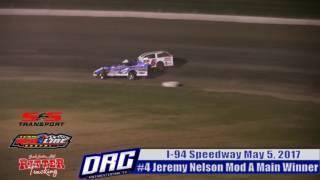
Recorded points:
153,52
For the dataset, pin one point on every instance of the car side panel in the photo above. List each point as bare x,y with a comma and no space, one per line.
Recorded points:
123,71
167,60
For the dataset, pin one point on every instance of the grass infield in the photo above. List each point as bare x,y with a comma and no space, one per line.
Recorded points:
208,119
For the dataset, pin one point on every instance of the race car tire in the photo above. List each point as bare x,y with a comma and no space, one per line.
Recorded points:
132,75
160,66
102,75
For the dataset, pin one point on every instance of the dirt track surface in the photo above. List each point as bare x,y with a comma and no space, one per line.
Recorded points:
215,56
271,60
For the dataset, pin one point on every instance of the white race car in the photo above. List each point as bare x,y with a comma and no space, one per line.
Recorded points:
157,59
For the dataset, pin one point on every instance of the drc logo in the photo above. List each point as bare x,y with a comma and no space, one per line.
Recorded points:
109,163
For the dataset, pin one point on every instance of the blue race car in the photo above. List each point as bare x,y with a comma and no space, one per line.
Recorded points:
129,69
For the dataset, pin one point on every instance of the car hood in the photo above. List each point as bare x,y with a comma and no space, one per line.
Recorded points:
106,68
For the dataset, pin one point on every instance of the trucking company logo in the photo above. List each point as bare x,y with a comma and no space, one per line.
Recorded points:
41,141
41,119
41,165
109,163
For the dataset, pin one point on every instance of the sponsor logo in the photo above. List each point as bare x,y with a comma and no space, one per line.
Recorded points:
41,119
41,141
41,165
109,163
153,62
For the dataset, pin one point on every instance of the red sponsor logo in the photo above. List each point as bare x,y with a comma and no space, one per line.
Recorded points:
153,62
41,119
41,141
42,164
24,141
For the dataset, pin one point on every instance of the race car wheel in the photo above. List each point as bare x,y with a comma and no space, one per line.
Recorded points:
102,76
160,66
132,75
